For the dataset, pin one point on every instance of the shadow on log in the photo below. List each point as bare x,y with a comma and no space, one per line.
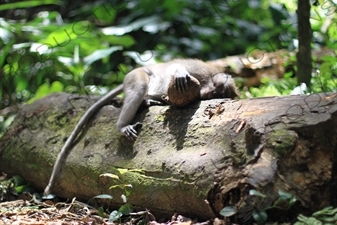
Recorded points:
193,160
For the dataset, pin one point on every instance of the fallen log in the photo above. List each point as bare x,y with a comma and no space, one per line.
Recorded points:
193,160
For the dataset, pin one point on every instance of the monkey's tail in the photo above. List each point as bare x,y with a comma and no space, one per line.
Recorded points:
61,158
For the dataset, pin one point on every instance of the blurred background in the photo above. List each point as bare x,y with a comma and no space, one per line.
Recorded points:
88,46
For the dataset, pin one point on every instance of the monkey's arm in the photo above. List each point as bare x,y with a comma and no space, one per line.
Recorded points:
61,158
135,90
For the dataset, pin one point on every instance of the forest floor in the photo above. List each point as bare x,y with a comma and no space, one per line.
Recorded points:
31,212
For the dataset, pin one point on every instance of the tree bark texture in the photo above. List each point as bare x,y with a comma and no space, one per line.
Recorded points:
304,60
193,160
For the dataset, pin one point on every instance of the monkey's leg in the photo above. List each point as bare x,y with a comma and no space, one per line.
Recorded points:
135,89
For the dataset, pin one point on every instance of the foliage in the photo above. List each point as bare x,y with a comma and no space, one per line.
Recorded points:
126,208
78,45
12,186
271,87
326,216
55,45
325,79
257,207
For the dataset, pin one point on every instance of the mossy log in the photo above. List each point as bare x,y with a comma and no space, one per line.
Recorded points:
193,160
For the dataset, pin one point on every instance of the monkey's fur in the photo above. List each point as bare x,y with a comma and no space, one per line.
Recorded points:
179,81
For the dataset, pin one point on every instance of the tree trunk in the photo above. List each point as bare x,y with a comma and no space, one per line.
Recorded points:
193,160
304,60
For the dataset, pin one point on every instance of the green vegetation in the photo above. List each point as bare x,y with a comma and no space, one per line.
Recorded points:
257,204
326,216
126,209
61,45
51,46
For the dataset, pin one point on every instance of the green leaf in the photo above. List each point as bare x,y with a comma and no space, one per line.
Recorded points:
56,86
256,193
322,211
104,196
260,216
228,211
126,209
126,40
113,176
60,37
329,58
115,215
292,201
101,211
105,13
28,4
100,54
121,186
284,195
20,189
18,181
127,192
42,91
122,171
271,90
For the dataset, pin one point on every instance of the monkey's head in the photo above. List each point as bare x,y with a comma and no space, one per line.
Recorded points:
220,86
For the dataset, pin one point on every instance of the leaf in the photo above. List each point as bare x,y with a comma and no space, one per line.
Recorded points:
101,211
292,201
271,90
60,37
127,192
122,171
126,209
18,181
100,54
115,215
228,211
28,4
104,196
56,86
113,176
137,171
256,193
121,186
42,91
125,41
260,216
21,188
284,195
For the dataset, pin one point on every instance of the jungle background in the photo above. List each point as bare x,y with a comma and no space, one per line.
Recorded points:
89,46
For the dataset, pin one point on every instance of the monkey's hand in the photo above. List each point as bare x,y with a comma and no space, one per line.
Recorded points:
130,131
180,76
181,79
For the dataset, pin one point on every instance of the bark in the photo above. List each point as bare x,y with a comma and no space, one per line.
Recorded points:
193,160
304,60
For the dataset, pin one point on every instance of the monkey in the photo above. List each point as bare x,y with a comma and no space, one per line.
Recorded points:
150,85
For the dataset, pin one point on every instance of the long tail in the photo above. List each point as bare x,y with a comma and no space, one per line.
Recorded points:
62,156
